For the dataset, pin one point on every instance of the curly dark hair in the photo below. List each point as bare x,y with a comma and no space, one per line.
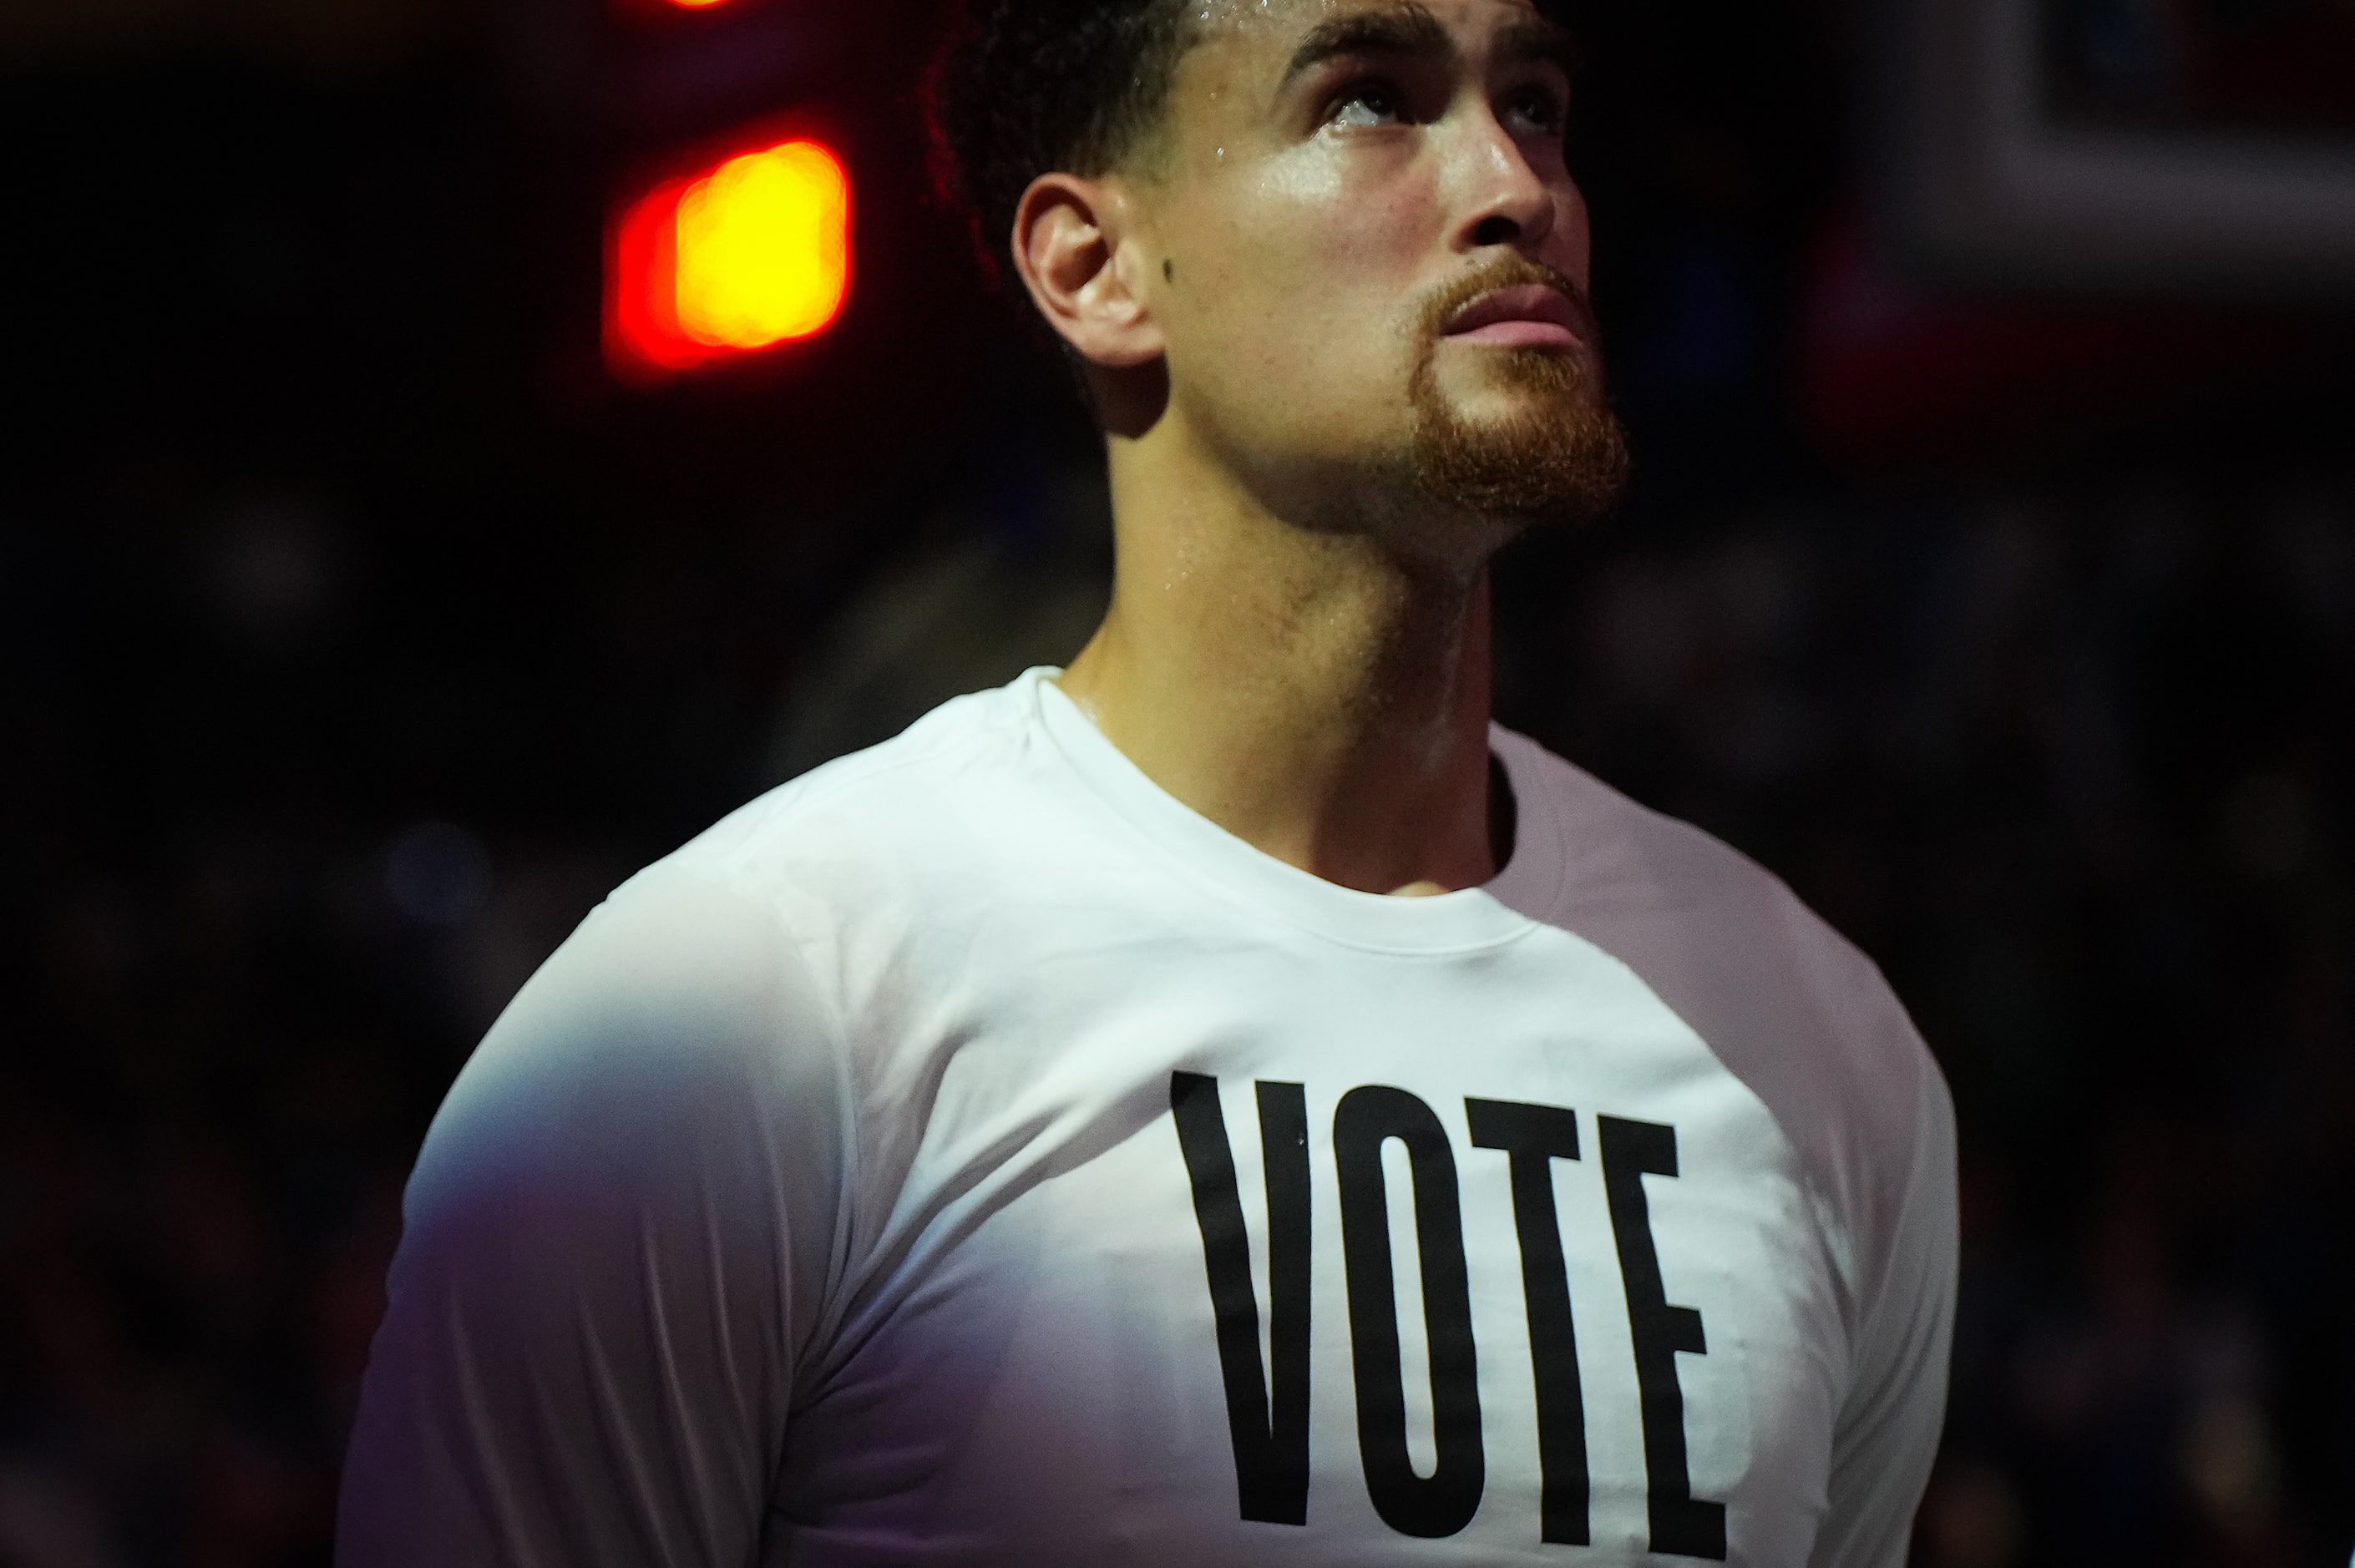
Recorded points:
1021,87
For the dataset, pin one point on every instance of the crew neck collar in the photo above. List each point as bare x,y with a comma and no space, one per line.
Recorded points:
1469,919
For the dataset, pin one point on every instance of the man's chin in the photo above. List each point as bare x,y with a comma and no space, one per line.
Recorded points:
1543,447
1493,411
1472,376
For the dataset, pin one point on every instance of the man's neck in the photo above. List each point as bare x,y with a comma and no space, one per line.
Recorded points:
1310,691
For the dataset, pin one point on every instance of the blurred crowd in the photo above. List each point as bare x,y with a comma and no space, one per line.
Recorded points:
2070,756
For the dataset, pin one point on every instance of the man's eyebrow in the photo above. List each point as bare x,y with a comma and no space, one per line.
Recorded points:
1537,39
1401,30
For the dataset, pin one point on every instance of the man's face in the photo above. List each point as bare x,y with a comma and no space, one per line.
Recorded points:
1374,296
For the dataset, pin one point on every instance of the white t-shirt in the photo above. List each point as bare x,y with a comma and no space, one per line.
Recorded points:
967,1154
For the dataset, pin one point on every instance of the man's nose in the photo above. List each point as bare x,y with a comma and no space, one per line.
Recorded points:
1505,202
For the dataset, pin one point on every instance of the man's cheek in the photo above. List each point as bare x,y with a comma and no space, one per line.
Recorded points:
1386,233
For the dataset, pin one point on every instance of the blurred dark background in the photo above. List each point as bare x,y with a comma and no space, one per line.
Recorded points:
360,631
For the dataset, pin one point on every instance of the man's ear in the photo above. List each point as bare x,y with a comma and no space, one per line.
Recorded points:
1076,256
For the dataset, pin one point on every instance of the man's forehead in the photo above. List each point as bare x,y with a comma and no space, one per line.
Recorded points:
1282,25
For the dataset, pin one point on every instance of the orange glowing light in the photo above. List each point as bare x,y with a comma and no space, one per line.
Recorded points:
694,5
751,254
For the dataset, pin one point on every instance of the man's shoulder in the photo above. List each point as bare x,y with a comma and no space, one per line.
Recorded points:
1790,1005
1615,850
916,771
1619,864
720,964
944,791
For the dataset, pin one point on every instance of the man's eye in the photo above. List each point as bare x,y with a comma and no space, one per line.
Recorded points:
1367,103
1541,109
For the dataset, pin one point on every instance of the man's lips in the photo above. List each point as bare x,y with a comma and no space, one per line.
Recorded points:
1526,315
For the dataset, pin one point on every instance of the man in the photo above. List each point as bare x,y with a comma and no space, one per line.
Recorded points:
1225,1102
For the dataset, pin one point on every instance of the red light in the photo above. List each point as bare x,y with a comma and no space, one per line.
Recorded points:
752,252
695,5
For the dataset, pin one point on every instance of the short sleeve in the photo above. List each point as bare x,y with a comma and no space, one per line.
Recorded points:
1886,1435
615,1252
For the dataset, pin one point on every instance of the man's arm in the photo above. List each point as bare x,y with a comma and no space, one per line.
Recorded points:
1886,1435
617,1241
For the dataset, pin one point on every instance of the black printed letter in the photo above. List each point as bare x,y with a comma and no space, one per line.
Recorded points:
1536,1136
1270,1433
1446,1503
1681,1524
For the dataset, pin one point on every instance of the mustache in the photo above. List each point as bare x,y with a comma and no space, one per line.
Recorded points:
1507,272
